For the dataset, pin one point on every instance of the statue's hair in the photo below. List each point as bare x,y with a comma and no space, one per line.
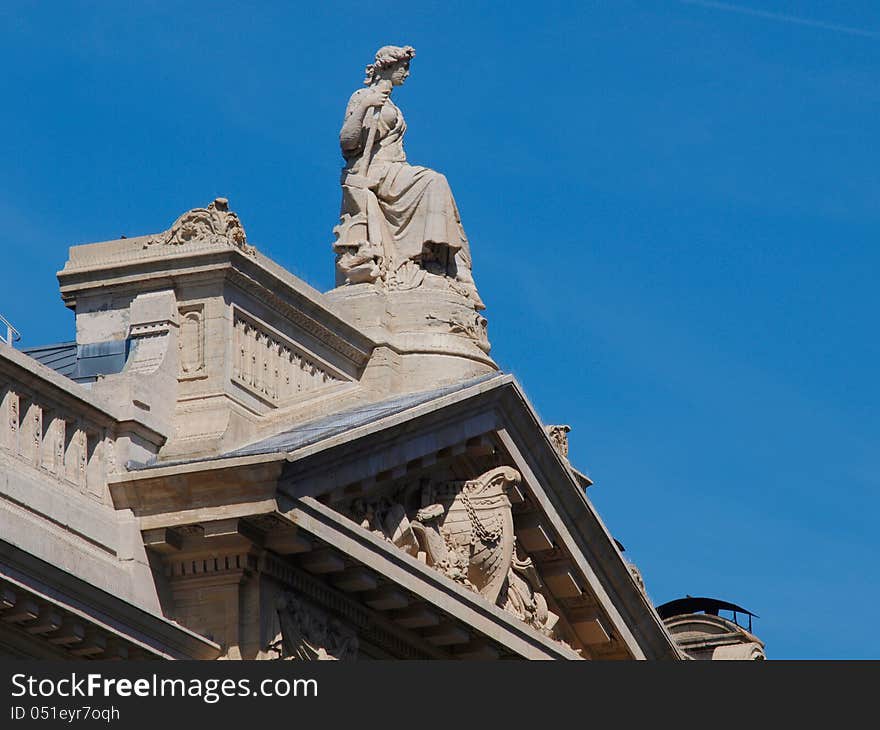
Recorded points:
386,57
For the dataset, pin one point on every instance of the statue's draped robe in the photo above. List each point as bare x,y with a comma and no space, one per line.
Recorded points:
416,204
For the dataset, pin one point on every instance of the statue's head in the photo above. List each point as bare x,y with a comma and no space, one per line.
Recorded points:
392,63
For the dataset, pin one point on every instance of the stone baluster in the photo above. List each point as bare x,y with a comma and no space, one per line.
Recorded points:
10,421
239,344
252,356
82,456
284,357
95,466
262,383
35,418
58,446
108,448
296,373
272,368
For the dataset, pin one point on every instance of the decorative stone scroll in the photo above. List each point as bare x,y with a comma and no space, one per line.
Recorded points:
465,530
274,368
308,634
214,225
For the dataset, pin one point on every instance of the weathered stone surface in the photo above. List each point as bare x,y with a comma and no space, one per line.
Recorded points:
704,636
399,224
403,260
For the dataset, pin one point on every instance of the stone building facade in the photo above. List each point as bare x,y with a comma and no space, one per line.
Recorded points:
227,463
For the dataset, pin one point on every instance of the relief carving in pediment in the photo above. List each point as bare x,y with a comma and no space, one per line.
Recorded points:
309,634
464,529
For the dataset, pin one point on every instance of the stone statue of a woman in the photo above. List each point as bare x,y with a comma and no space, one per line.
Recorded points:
399,224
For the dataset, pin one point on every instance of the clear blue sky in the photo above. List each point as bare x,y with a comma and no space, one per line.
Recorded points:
674,211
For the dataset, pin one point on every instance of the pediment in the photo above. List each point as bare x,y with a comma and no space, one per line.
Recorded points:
473,486
458,500
464,529
479,525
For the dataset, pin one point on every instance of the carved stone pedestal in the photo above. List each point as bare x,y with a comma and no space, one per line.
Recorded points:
437,333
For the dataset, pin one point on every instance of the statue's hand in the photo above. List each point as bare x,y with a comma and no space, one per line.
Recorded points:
376,96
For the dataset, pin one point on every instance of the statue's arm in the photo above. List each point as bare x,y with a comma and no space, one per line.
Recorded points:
350,134
355,113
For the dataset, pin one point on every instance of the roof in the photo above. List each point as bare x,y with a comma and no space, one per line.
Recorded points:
692,604
82,363
321,428
316,430
61,357
320,456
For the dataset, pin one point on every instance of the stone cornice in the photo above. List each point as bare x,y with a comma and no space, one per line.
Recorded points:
382,632
127,267
567,498
154,634
172,488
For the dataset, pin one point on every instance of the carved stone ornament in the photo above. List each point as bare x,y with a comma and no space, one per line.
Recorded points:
308,634
465,531
559,437
13,412
214,225
191,342
471,324
637,576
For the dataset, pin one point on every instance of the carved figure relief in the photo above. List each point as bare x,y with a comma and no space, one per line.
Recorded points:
308,634
464,530
273,368
523,598
399,223
215,224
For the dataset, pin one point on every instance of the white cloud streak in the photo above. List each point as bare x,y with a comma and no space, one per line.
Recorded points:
784,18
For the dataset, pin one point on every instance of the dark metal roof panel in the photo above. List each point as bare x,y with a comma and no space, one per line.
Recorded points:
101,358
61,357
693,604
82,363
